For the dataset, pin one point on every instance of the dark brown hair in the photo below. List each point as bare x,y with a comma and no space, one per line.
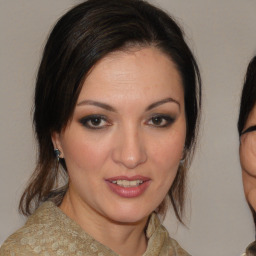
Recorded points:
248,98
83,36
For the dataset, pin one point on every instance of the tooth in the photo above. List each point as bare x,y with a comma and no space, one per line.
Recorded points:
133,183
127,183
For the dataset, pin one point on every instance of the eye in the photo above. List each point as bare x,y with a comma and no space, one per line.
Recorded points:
161,121
94,122
250,129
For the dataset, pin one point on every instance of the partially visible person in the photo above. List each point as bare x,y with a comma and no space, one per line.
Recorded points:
247,133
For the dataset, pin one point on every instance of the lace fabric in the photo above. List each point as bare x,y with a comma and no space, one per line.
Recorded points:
49,232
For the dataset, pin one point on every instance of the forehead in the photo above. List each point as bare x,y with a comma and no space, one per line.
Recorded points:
136,70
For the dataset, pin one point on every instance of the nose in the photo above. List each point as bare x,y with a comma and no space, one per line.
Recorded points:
129,149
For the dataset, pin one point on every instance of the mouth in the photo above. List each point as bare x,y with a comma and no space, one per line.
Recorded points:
128,186
127,183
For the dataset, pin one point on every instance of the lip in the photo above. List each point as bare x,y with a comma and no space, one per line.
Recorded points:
128,192
136,177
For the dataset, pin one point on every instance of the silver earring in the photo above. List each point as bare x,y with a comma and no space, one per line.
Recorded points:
182,160
57,154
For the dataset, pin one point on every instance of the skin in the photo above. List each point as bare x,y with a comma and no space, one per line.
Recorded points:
248,160
128,142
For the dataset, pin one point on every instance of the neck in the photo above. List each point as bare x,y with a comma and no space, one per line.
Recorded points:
123,238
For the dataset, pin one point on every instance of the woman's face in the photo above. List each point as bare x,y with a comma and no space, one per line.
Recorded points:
248,159
125,141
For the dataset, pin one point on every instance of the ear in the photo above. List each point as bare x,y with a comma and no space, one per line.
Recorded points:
56,141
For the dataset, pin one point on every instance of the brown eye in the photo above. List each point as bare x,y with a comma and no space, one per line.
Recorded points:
157,120
94,122
161,121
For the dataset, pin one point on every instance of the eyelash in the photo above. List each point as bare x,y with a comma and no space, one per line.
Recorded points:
250,129
168,120
88,121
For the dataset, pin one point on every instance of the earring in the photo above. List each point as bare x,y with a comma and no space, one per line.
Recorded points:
57,154
182,160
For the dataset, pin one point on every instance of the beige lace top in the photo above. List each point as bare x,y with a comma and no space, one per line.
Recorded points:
49,232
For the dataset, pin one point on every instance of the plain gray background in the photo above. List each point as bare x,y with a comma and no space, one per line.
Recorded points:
222,34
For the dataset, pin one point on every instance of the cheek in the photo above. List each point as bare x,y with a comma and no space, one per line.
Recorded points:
167,156
172,151
248,156
169,150
84,153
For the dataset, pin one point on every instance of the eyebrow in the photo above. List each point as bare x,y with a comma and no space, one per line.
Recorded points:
110,108
158,103
250,129
97,104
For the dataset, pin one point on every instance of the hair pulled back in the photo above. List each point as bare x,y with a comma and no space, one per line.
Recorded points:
83,36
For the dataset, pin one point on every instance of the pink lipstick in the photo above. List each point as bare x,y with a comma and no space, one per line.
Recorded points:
128,187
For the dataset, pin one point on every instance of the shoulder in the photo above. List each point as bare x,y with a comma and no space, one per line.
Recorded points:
32,238
20,243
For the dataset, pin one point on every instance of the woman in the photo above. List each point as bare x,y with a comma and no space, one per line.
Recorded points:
117,105
247,132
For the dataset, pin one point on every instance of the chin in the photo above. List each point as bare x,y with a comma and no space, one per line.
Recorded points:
129,215
125,219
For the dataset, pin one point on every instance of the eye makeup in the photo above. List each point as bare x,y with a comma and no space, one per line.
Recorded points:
94,122
161,120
